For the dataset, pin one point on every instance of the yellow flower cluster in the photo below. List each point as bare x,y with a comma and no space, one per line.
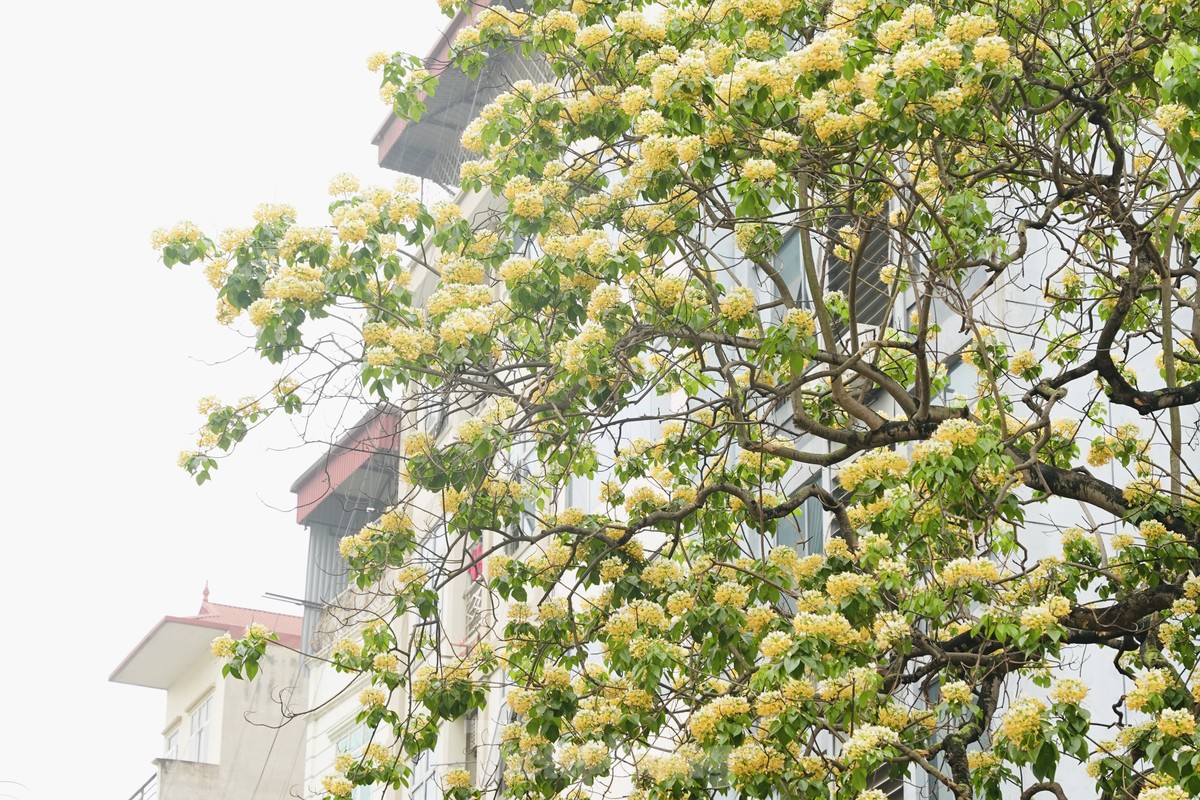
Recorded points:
754,760
759,170
800,320
964,571
832,627
731,594
858,681
992,50
449,296
1023,720
705,719
1042,616
408,576
969,27
1069,691
462,270
680,603
337,785
1169,792
1141,490
574,353
944,102
605,298
775,644
298,283
296,237
644,496
344,183
879,464
372,697
1176,722
890,627
912,59
183,232
957,693
223,646
463,323
1149,685
844,584
456,779
663,768
957,433
867,740
521,700
1022,363
979,760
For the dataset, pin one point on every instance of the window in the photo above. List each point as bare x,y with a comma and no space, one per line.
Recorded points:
354,742
804,529
423,787
199,731
788,264
471,743
171,744
871,296
891,786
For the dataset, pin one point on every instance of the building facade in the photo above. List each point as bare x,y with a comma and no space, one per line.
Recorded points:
360,478
222,737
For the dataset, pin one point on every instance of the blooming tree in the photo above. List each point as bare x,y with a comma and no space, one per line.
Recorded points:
621,315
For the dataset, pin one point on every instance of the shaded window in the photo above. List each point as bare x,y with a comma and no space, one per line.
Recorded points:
804,529
789,265
171,745
199,731
868,292
353,743
423,786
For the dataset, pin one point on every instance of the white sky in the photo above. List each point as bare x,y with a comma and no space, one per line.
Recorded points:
118,118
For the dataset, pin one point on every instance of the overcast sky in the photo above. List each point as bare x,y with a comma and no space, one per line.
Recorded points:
118,118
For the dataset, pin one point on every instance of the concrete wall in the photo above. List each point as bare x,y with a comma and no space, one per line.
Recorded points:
262,750
253,748
187,780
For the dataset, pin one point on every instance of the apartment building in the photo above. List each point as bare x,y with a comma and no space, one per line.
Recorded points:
359,478
222,737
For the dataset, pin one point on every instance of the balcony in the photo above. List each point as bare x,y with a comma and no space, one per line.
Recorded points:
180,780
148,790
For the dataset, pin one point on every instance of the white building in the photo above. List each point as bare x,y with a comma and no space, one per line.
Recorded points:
358,479
222,737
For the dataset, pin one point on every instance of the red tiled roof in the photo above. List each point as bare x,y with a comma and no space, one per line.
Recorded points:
176,642
377,432
236,619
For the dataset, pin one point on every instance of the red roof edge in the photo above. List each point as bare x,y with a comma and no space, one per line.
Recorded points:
377,432
436,61
226,619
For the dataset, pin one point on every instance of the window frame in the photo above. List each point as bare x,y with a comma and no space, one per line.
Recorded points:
171,742
200,733
345,743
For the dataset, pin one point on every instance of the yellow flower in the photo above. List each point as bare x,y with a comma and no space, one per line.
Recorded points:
223,646
1023,720
957,693
376,61
343,184
759,170
992,50
1169,116
1176,722
1069,691
456,779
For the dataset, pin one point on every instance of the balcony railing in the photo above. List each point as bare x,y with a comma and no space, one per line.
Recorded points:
148,790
